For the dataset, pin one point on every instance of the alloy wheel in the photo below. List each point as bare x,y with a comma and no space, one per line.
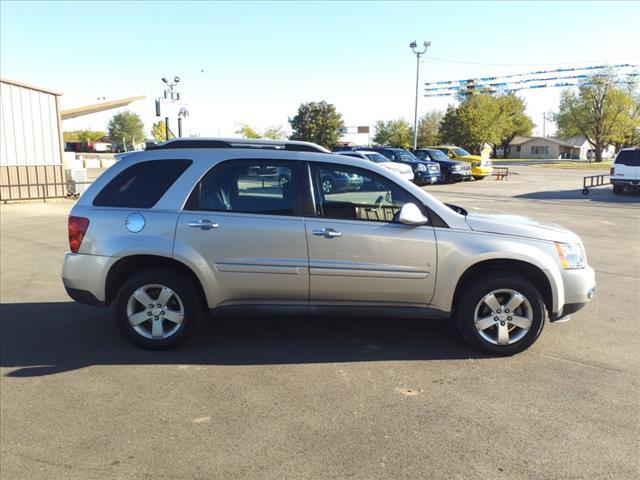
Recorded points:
503,317
155,311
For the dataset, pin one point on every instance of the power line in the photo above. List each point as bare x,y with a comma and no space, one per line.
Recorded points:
464,62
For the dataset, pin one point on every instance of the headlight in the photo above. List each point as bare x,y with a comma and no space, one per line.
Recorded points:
571,255
421,168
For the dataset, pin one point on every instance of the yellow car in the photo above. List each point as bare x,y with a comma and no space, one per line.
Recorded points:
480,167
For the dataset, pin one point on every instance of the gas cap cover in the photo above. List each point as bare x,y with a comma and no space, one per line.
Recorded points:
134,222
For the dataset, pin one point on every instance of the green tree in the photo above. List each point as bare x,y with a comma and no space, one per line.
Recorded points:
396,133
275,132
513,120
317,122
247,132
429,129
126,127
604,112
83,135
159,131
473,123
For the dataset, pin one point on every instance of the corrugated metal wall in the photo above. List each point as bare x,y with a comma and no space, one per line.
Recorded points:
29,132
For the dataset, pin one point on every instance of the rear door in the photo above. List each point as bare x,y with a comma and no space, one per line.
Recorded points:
359,253
243,224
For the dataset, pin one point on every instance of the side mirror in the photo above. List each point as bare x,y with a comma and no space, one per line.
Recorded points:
410,214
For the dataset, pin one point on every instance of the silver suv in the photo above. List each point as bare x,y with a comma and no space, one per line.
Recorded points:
193,225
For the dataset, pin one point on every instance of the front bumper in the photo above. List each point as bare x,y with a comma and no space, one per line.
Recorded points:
426,178
481,171
461,175
84,277
579,289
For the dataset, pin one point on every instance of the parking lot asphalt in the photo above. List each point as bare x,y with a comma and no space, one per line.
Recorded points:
300,398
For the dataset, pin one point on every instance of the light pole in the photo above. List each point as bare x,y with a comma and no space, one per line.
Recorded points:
169,95
418,53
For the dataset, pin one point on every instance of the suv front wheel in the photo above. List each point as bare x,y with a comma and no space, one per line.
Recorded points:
500,314
158,308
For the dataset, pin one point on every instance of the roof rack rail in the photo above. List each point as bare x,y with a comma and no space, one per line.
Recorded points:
237,143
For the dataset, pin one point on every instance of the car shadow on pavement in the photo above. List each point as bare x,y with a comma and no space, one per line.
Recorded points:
46,338
604,194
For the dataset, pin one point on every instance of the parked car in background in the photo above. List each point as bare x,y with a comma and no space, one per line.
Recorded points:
450,170
166,234
424,172
480,167
625,171
400,169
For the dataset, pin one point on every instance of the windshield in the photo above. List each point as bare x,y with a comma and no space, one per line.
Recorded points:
461,152
437,154
376,157
407,156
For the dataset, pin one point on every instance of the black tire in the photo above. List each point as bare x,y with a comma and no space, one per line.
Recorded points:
478,177
474,294
184,287
618,189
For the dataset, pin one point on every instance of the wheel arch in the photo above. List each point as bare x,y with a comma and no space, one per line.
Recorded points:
127,266
531,272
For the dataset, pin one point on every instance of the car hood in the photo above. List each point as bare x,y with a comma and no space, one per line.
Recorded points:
506,224
473,158
398,167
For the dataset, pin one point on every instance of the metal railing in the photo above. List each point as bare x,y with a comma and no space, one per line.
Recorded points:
501,173
594,181
69,188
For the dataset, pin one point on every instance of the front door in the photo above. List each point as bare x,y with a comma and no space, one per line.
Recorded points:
242,223
358,252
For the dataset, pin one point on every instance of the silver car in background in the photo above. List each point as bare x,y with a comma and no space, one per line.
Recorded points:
203,224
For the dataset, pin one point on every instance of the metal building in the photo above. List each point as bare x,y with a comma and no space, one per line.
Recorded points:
31,147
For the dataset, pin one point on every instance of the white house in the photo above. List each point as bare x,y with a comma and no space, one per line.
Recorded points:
576,148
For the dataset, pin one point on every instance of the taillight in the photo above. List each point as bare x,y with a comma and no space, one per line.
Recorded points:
77,228
611,171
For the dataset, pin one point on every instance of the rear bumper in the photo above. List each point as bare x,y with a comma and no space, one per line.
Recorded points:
625,182
84,277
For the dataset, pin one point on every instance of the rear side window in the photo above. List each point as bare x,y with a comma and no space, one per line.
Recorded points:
630,158
247,186
142,184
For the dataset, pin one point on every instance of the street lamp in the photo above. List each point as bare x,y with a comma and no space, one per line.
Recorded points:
418,54
170,95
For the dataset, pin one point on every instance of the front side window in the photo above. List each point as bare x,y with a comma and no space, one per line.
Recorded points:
353,194
142,184
437,155
246,186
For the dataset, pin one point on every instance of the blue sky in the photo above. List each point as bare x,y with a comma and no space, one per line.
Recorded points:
255,62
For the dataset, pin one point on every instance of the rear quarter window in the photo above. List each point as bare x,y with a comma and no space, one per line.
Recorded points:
630,158
142,184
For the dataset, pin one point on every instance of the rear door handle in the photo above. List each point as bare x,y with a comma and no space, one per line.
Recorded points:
203,224
327,233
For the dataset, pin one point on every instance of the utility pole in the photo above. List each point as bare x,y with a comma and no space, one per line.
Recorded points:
418,54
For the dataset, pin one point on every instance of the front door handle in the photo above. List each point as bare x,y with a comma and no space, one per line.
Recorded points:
203,224
327,233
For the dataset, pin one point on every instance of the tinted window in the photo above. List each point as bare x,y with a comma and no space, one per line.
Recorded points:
353,194
142,184
406,156
246,186
437,155
461,152
628,157
387,154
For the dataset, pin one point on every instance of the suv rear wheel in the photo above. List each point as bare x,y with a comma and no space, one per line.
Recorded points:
500,314
158,308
